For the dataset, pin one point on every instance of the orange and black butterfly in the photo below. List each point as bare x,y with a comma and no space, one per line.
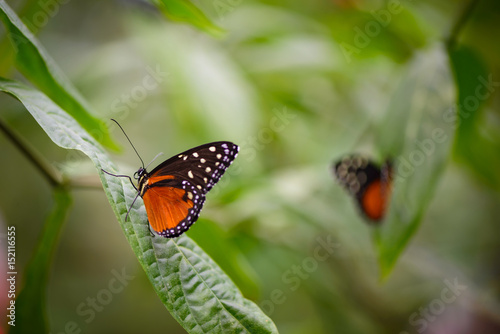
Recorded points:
369,184
174,191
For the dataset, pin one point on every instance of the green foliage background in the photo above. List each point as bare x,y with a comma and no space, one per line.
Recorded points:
297,85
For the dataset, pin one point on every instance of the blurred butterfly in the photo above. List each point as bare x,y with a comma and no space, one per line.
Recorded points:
369,184
174,191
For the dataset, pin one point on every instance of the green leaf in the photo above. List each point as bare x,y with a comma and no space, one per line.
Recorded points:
475,86
199,295
30,303
210,236
185,11
418,131
34,62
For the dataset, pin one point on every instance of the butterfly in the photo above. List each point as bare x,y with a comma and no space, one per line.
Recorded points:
369,184
174,192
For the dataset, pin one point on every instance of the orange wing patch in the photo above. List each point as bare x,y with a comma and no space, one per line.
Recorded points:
154,179
375,199
166,207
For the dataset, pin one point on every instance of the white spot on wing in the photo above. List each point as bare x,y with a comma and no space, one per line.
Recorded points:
212,148
190,174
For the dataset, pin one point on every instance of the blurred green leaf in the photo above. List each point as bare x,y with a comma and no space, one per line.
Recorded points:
30,303
196,100
199,295
475,86
417,131
185,11
379,32
34,62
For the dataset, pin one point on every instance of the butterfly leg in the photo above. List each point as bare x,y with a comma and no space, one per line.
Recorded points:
130,179
131,206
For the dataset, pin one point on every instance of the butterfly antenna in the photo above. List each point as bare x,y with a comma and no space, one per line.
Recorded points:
129,141
153,159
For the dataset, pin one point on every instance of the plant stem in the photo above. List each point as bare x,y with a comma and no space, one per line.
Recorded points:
460,23
55,179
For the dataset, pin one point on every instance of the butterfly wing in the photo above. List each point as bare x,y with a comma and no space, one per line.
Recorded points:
369,184
175,190
172,210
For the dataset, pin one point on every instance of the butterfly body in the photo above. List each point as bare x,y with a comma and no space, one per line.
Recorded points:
369,184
